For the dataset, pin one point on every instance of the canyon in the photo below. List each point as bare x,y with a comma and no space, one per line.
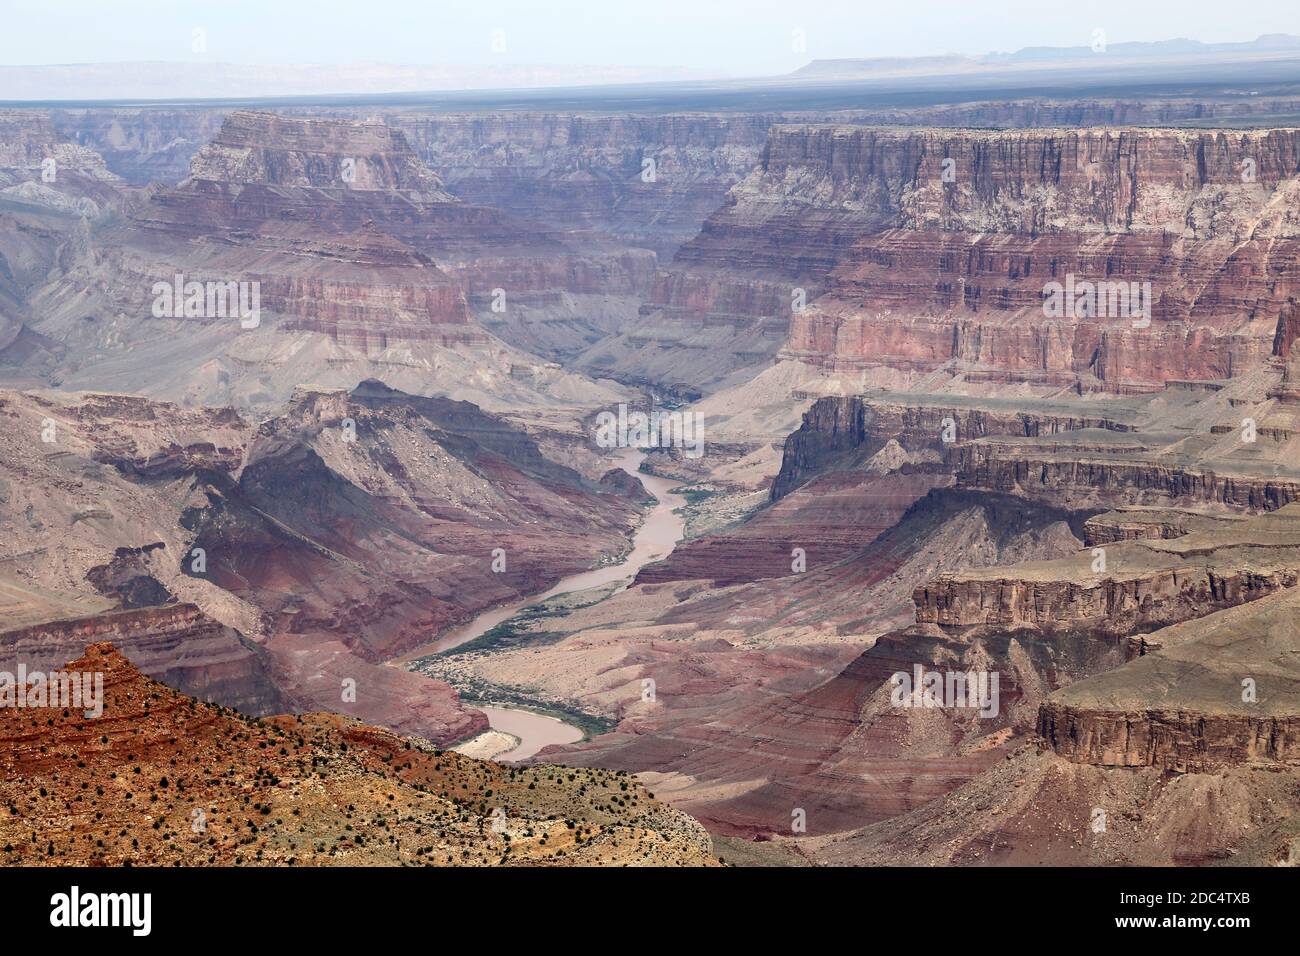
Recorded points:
382,512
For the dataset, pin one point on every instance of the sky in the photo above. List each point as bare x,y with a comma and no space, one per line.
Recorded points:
723,37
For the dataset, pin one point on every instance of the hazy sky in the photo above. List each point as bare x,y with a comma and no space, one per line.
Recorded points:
726,36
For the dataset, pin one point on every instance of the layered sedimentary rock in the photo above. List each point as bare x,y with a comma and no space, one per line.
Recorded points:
1129,524
176,644
1039,809
1172,739
844,432
30,144
363,525
325,250
1191,228
1127,587
1226,446
309,211
1033,472
518,273
827,521
591,150
1221,692
722,308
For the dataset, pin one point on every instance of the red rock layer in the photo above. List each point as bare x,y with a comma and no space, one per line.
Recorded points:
978,223
920,299
176,644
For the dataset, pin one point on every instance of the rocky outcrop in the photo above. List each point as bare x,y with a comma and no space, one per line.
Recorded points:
326,217
1113,606
1134,482
84,781
256,148
1133,524
1173,740
841,432
29,142
1220,691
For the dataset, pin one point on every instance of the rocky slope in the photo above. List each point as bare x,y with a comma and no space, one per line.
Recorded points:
163,779
1183,756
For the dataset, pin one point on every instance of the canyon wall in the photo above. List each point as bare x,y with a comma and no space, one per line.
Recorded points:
978,224
588,172
1110,605
844,431
1173,740
176,644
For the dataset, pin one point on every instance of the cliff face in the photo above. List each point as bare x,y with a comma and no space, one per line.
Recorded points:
720,311
1033,473
311,210
585,171
1110,606
972,226
925,250
1188,182
1221,692
269,149
841,432
1173,740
